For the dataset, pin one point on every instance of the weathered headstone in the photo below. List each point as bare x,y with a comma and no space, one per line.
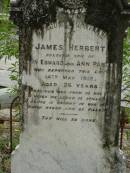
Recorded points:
70,65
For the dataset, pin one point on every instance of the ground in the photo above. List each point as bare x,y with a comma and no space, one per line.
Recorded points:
126,143
5,140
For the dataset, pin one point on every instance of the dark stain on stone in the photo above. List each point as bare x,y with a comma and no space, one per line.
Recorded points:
102,14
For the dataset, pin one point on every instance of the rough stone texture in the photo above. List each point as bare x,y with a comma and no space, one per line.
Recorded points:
105,15
71,150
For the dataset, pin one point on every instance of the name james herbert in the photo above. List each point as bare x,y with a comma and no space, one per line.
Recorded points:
72,47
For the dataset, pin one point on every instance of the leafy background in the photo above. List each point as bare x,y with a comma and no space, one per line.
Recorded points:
9,48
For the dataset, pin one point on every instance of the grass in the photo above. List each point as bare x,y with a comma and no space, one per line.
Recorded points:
5,160
4,155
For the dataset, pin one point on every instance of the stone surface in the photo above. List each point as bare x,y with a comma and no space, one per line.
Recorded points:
60,140
64,103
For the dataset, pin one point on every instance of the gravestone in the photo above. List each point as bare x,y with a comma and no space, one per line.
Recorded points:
70,66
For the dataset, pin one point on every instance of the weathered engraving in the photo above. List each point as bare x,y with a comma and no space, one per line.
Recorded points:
70,75
65,80
70,61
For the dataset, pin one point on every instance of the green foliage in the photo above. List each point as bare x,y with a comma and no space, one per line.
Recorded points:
127,112
4,145
1,171
16,137
5,155
14,76
9,47
5,6
128,134
8,39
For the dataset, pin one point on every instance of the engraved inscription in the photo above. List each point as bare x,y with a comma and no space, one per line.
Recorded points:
68,76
